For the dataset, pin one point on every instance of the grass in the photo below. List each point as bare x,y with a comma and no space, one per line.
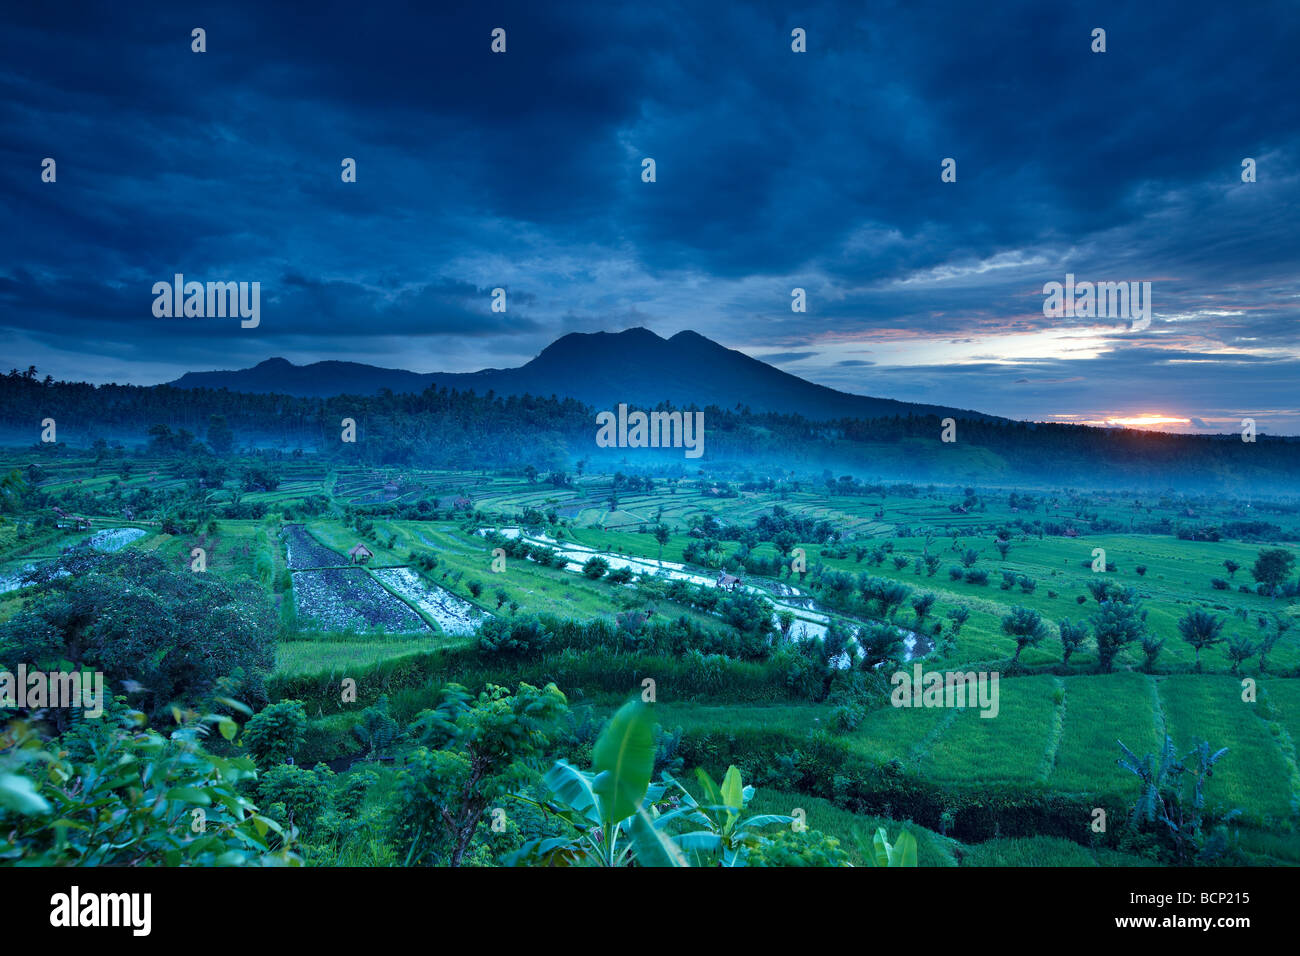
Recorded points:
1253,775
1100,710
1008,747
1061,729
311,657
1028,851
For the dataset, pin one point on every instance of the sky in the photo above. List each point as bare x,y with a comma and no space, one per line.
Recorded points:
774,170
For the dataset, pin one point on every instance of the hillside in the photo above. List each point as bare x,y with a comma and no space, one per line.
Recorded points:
601,369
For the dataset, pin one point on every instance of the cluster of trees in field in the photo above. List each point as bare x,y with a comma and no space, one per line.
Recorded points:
1119,621
453,429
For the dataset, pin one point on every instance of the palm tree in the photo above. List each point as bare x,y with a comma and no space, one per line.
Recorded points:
1240,648
1200,629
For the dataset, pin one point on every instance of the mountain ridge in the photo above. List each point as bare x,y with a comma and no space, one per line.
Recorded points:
635,366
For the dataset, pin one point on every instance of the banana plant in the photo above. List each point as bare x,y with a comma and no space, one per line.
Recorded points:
611,808
902,852
722,830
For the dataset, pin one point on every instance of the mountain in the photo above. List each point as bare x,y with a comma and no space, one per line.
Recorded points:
635,366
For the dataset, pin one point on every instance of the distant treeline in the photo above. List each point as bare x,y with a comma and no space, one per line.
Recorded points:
446,428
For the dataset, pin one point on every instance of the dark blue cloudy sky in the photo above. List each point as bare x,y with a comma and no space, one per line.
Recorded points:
774,170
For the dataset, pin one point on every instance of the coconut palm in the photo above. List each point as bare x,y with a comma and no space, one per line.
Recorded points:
1200,629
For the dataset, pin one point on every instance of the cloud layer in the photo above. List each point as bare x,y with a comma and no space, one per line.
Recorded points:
775,170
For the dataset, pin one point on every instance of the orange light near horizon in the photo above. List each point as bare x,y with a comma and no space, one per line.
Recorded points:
1138,421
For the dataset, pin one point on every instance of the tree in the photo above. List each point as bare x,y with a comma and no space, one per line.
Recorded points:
1103,590
1072,638
1200,629
1272,567
662,534
595,567
275,734
1026,626
748,613
784,541
1165,810
295,796
1151,647
878,644
1232,566
785,620
476,753
958,615
259,477
172,634
220,438
921,604
1240,649
1270,638
888,595
1117,623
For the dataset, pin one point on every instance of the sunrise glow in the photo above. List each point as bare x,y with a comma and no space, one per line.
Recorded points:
1138,421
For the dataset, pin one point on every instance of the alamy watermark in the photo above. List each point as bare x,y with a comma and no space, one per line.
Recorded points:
195,300
651,430
946,689
1099,300
76,909
29,690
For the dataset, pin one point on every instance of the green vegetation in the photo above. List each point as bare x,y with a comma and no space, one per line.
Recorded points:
452,698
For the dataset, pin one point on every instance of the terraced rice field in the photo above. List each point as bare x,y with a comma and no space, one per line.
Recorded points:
454,616
348,599
304,551
115,539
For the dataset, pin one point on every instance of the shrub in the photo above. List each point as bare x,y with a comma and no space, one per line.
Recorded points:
275,734
595,567
116,784
519,636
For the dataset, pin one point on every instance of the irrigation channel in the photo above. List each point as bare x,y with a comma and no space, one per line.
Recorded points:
810,619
